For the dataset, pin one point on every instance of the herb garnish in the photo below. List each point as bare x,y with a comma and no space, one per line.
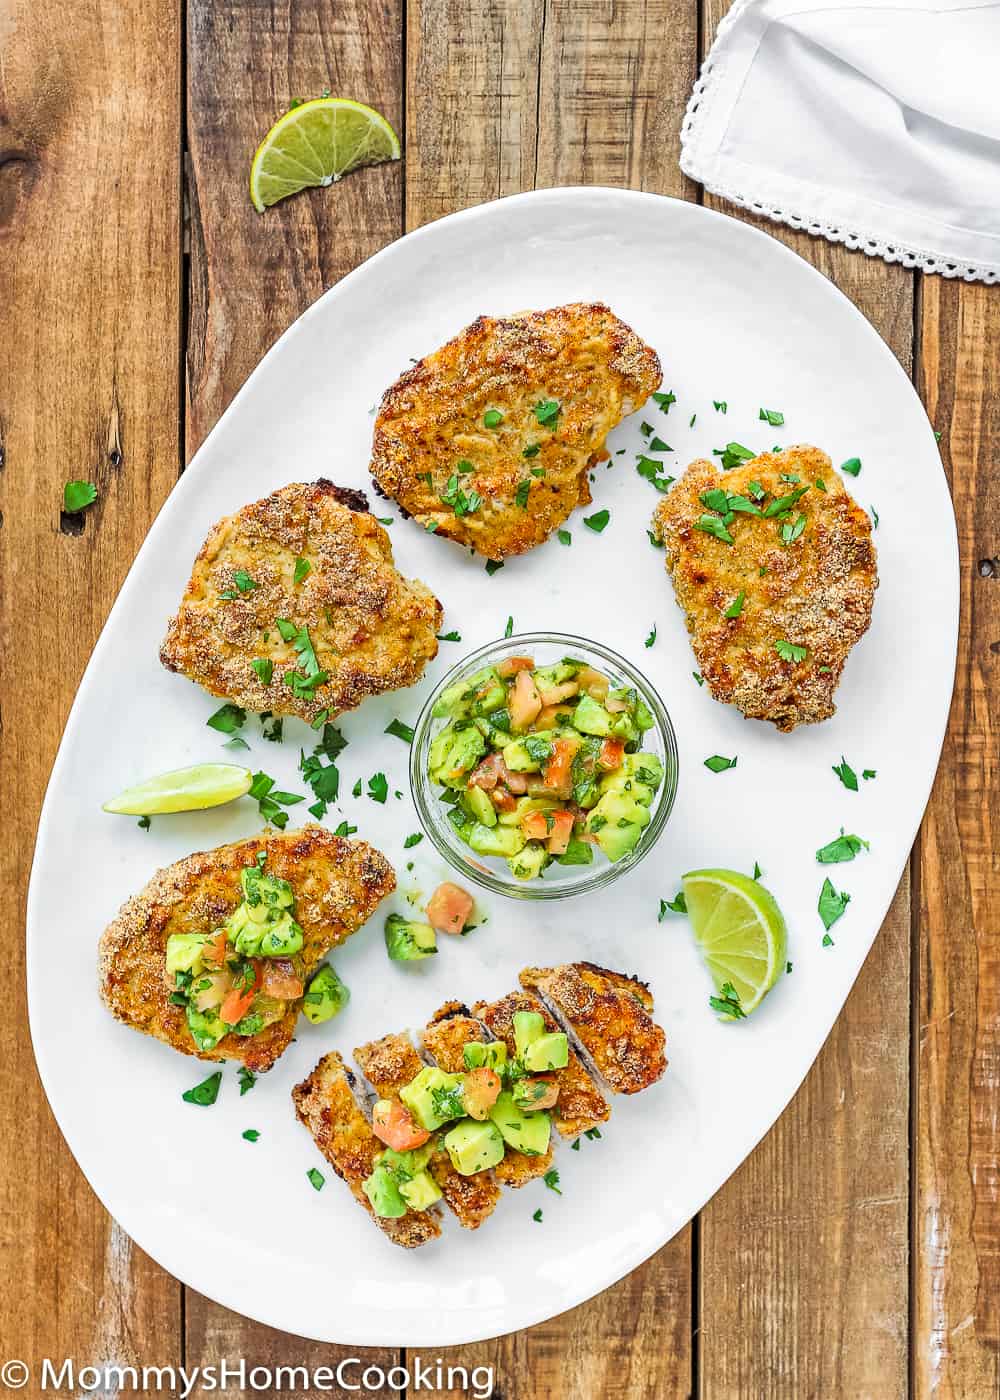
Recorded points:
656,543
547,412
733,454
852,466
712,525
564,537
663,401
831,904
652,636
228,718
772,416
532,449
846,774
270,800
251,1135
449,636
867,773
729,1003
698,678
244,584
308,677
736,606
247,1080
791,531
413,840
788,651
521,494
718,764
205,1093
302,568
597,521
316,1179
493,566
264,667
783,504
677,905
840,849
508,630
651,470
720,405
399,730
378,787
461,502
492,418
537,1216
78,495
551,1179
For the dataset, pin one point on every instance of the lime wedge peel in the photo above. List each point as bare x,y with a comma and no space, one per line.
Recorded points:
183,790
317,143
740,930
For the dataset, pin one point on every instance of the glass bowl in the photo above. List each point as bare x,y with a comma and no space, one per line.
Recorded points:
558,881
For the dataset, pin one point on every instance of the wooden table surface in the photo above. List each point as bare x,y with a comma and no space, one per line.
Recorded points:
857,1252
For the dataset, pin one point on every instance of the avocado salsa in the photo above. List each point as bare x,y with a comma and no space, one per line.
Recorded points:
499,1103
240,978
543,763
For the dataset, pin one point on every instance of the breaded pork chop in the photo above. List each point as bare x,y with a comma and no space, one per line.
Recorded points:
294,607
337,884
326,1105
793,564
609,1013
489,440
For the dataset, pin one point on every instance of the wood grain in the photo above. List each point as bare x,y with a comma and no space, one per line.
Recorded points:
956,1342
89,380
251,275
501,99
805,1252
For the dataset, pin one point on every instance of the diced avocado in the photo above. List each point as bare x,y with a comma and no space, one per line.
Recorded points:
485,1055
206,1028
439,750
495,841
624,727
556,674
383,1193
639,775
468,747
586,793
529,863
591,718
474,1147
407,940
643,718
526,1093
647,768
488,691
459,819
528,1026
433,1097
325,996
494,735
259,888
617,822
454,701
526,805
478,805
184,951
421,1191
520,759
618,841
525,1132
547,1052
407,1164
577,853
281,939
622,781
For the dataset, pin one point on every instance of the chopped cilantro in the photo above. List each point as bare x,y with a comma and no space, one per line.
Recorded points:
874,517
270,800
597,521
564,537
788,651
658,445
841,848
652,471
356,789
308,677
852,466
508,630
663,401
783,504
431,527
547,412
78,495
712,525
537,1216
264,667
718,764
251,1135
728,1004
652,636
831,904
827,941
144,823
247,1080
493,565
846,774
532,449
551,1179
772,416
378,787
492,418
677,905
449,636
344,830
791,531
413,840
733,454
736,606
867,773
592,1133
656,543
227,719
757,872
316,1179
698,678
205,1093
399,730
720,405
384,519
461,502
302,568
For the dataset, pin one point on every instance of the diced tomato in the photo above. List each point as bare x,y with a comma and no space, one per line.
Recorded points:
552,694
210,991
562,830
487,772
503,799
558,774
534,826
480,1091
449,907
516,783
214,952
392,1123
276,977
612,753
237,1003
538,1092
593,682
511,665
525,702
551,715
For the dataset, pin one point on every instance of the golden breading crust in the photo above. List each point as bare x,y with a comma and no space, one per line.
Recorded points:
609,1015
431,440
814,592
581,1105
388,1064
371,629
325,1104
337,884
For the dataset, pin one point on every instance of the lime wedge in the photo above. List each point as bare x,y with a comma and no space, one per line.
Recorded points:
316,143
740,930
183,790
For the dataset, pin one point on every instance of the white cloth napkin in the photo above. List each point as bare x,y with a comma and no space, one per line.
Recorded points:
874,123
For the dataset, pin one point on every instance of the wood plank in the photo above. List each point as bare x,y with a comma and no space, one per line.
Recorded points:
500,99
89,388
956,1225
251,275
804,1252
